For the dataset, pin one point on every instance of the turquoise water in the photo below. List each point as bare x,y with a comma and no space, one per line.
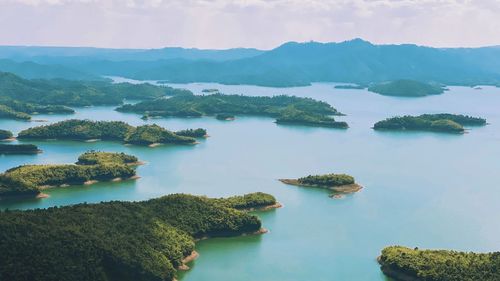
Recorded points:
421,189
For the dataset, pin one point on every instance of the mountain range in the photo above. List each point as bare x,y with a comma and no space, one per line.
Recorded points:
291,64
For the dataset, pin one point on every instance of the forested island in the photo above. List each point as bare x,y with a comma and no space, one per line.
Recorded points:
30,180
286,109
407,88
19,149
20,98
117,241
339,183
5,135
193,133
109,130
349,87
405,264
446,123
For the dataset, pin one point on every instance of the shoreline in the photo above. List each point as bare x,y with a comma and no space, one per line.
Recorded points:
344,189
263,208
395,274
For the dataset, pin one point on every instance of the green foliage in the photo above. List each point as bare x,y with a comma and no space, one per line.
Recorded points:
288,109
18,149
149,134
106,130
30,179
4,134
248,201
328,180
445,122
193,133
406,88
20,97
294,116
79,130
9,113
440,265
95,157
224,116
114,241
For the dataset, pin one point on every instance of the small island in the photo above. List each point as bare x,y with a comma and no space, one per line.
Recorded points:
116,241
405,264
446,123
5,135
286,109
225,117
349,87
407,88
19,149
297,117
193,133
85,130
339,183
210,90
31,180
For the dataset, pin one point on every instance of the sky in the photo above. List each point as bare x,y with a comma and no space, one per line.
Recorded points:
222,24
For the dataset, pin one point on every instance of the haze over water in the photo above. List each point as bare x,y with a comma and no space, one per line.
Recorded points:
422,189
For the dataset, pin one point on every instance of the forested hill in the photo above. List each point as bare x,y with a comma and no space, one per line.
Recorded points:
293,64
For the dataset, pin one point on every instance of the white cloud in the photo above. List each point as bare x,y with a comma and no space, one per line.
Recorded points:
252,23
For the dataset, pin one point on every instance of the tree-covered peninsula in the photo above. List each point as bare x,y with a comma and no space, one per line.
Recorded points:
20,98
286,109
405,264
447,123
30,180
193,133
4,134
339,183
407,88
106,130
19,149
115,241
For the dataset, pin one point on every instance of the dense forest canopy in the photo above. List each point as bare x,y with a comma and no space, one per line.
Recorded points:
439,265
407,88
19,149
448,123
328,180
114,241
29,180
105,130
287,109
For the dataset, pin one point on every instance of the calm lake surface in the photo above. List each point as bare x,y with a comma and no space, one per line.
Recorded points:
428,190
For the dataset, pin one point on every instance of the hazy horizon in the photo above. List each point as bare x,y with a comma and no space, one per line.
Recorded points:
224,24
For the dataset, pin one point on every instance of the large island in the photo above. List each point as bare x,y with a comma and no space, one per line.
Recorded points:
86,130
339,183
118,241
286,109
31,180
407,88
446,123
405,264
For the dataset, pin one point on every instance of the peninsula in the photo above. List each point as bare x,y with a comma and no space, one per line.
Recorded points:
117,241
85,130
338,183
446,123
405,264
30,180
